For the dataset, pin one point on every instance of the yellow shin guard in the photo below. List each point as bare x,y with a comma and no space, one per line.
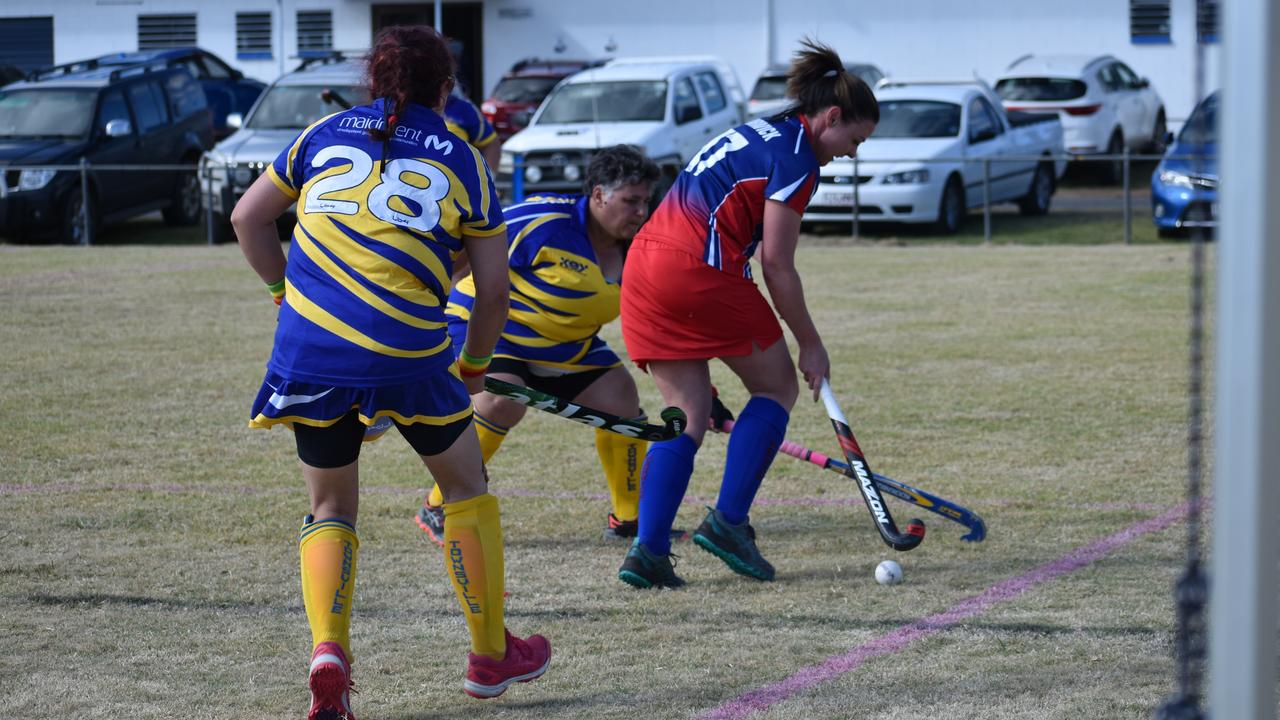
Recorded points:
491,436
327,549
473,559
621,458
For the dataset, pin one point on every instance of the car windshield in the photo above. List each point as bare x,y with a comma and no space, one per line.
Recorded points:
918,119
770,88
528,90
630,101
1202,126
46,113
1040,88
293,107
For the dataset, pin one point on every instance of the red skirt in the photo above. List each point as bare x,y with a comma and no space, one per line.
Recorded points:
677,307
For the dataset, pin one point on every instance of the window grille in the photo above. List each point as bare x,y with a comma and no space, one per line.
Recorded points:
253,36
156,32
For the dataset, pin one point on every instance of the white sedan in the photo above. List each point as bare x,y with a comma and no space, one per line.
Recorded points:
940,148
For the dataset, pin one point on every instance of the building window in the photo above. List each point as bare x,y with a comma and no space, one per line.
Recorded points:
1207,20
1149,22
156,32
253,36
315,33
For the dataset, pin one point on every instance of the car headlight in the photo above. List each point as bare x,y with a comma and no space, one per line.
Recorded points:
35,179
506,162
1175,178
572,173
908,177
242,175
533,173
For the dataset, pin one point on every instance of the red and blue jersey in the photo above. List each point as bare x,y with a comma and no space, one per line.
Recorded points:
715,209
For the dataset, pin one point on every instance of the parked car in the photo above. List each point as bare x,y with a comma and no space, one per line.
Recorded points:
518,94
1184,186
227,89
669,107
926,161
146,114
294,101
769,95
1104,106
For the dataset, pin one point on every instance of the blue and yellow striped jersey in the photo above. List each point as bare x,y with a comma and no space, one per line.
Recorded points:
369,268
467,122
559,297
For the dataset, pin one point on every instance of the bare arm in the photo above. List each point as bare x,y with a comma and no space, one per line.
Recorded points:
492,154
778,259
254,219
488,256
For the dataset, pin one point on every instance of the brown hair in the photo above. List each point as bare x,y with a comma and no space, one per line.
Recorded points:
407,64
817,80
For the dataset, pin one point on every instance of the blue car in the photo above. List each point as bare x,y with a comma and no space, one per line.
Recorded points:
1184,187
226,88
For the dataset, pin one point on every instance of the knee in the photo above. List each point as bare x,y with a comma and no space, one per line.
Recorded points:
499,411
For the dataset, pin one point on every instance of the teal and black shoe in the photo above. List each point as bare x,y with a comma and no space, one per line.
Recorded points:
644,569
734,544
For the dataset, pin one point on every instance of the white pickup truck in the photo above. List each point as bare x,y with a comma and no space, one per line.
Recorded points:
939,149
668,106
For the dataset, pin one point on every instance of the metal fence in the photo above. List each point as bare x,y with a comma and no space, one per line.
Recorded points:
518,187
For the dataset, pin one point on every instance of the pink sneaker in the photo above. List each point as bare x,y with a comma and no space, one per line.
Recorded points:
526,660
330,683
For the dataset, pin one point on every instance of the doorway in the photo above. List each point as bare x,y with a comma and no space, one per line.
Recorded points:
461,22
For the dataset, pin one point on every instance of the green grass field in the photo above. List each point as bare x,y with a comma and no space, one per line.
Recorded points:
151,567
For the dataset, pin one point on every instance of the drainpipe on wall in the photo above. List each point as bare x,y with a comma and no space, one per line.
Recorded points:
280,62
769,40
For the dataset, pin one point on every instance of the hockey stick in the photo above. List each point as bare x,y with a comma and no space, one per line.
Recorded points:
915,496
673,417
862,472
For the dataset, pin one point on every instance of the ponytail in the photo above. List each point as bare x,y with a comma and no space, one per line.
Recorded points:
817,80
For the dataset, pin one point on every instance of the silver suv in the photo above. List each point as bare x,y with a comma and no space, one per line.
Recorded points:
293,102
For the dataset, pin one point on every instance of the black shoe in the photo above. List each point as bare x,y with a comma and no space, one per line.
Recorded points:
644,570
734,544
628,529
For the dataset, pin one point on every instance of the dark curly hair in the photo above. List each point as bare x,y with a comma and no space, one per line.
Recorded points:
817,80
407,64
619,165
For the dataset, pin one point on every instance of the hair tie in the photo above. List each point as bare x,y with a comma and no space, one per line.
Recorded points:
392,119
830,73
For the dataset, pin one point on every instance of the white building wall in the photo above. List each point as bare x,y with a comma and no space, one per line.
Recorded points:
905,38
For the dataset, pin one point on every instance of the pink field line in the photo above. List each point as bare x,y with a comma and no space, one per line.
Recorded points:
837,665
499,490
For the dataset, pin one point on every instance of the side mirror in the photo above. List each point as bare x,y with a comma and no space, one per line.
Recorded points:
235,121
1168,139
982,136
118,128
1143,82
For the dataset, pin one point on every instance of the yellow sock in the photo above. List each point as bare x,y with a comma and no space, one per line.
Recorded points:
328,549
491,436
621,458
473,560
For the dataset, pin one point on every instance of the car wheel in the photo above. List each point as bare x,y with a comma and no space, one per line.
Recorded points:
1158,132
74,210
1040,194
1113,170
222,230
184,206
951,208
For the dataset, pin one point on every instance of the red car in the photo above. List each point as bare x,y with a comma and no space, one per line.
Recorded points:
523,88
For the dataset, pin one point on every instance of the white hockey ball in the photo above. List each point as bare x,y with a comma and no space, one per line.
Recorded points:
888,573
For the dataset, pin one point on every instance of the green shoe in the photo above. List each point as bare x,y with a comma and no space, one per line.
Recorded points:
734,544
644,570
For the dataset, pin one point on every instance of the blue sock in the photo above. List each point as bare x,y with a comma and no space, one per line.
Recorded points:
752,446
664,478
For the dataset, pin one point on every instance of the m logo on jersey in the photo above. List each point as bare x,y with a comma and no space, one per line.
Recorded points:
573,265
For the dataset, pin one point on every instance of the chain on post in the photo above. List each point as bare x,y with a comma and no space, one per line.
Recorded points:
1191,593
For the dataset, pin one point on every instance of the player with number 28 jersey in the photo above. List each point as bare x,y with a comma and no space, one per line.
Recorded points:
435,189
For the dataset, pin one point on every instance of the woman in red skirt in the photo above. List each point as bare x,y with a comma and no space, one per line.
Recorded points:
688,297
